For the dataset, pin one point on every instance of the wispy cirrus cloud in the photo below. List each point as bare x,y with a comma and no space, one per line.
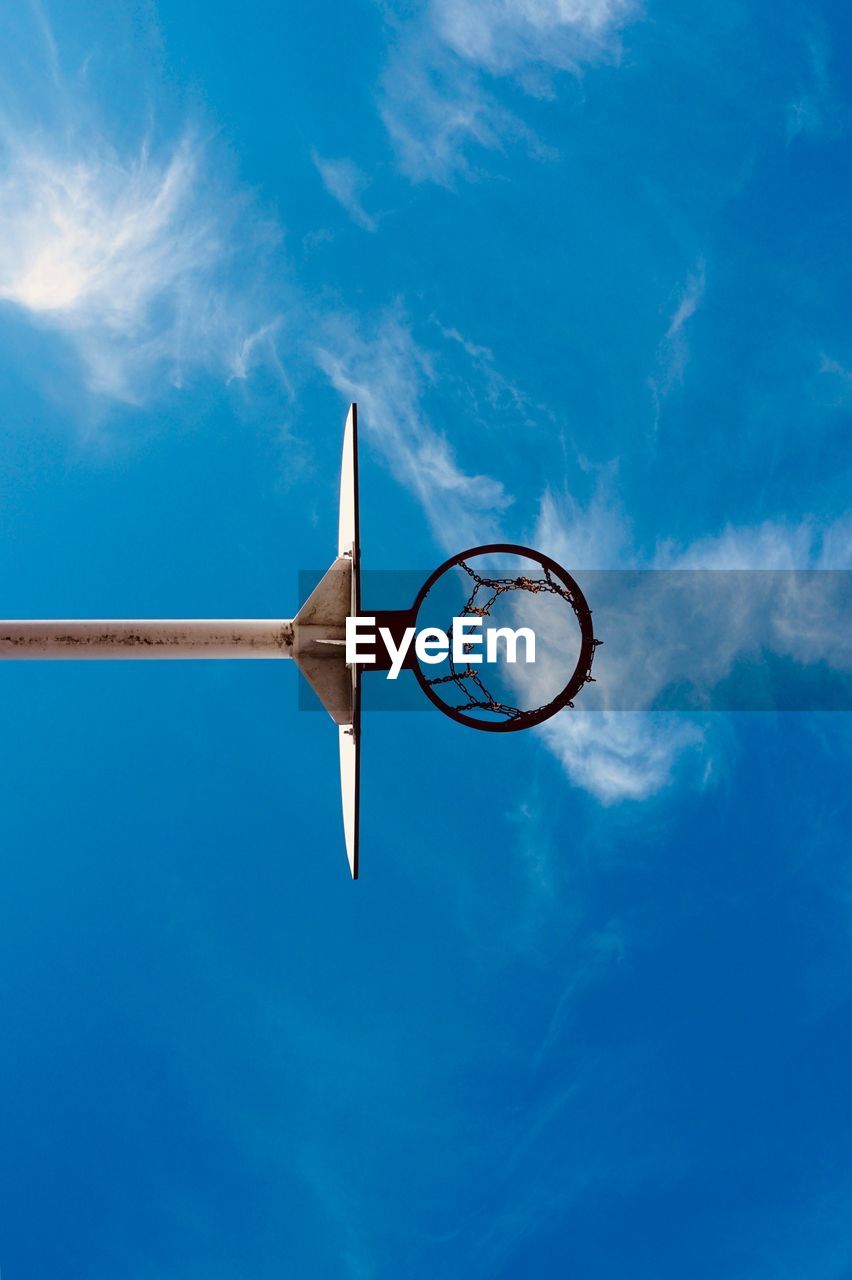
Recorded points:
346,183
690,298
436,109
503,36
388,373
130,258
140,252
439,90
673,350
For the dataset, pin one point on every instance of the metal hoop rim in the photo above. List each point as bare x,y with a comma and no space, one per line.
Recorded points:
582,670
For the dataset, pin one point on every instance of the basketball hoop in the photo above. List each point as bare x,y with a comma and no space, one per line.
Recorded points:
464,691
315,638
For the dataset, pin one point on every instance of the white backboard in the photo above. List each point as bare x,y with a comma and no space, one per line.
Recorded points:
348,545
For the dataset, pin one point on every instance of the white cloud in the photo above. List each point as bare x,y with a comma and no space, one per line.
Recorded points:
132,258
620,755
689,301
769,545
594,536
673,350
831,366
833,549
436,97
434,111
504,35
614,755
388,374
346,183
662,628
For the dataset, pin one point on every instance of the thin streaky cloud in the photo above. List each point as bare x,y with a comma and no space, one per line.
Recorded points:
439,94
346,183
435,110
471,348
503,35
498,392
673,350
254,349
690,300
388,374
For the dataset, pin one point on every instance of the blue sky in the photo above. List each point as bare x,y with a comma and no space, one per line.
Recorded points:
584,265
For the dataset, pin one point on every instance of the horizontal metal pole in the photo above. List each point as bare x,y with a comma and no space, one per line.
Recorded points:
148,638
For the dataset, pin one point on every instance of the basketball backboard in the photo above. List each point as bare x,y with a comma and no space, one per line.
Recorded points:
320,627
348,536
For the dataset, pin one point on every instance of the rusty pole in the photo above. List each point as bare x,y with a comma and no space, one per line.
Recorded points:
148,638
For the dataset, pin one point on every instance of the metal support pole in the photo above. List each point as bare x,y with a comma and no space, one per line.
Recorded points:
152,638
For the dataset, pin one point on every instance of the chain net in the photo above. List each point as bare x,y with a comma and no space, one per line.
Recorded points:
468,681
